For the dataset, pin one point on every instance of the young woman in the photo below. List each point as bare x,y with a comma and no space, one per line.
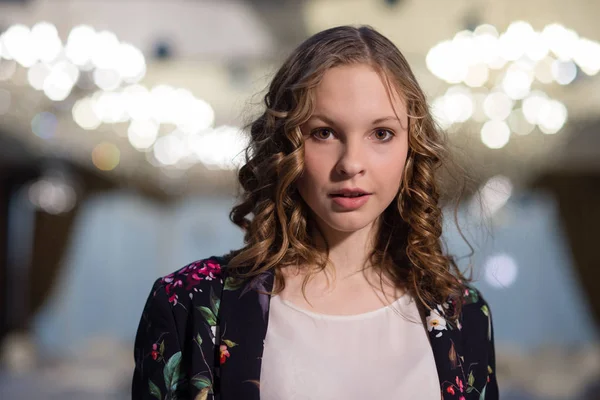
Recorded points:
342,290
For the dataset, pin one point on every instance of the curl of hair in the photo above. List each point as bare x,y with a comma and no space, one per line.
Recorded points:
408,247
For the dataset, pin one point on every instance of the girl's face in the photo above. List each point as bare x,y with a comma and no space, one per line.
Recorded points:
356,144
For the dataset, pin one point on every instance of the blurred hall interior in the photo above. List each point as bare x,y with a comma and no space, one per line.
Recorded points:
121,125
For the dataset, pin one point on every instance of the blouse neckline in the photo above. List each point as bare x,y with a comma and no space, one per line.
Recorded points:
337,317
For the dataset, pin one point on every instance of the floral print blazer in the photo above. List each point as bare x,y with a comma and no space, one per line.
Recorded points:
201,337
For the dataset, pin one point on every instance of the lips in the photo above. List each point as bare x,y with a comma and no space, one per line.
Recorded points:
354,192
350,199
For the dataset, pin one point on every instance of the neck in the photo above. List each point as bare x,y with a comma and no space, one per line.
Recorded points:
348,251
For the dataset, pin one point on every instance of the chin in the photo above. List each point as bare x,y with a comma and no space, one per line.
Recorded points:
348,224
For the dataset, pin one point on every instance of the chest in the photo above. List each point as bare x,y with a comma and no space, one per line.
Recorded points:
302,347
323,294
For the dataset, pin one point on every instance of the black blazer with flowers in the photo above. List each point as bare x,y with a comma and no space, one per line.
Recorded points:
201,336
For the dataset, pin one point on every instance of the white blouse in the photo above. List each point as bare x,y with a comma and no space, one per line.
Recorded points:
382,354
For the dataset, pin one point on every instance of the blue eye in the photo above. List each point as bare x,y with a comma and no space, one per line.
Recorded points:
322,134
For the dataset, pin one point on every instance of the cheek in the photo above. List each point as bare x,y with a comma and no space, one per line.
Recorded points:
391,166
316,165
310,175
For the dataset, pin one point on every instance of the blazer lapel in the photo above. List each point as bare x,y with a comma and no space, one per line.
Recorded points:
446,343
244,315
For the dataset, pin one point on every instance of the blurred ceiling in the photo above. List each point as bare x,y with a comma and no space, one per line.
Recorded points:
224,52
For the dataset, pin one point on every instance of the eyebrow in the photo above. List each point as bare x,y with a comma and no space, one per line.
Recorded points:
375,122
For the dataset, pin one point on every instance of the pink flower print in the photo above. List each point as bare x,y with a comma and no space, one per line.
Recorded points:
173,299
204,271
174,283
213,267
461,398
459,384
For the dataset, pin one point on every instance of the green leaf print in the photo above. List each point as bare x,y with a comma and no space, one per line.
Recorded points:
214,302
201,382
162,348
154,390
232,284
473,295
471,379
208,315
229,343
198,339
482,394
172,372
485,310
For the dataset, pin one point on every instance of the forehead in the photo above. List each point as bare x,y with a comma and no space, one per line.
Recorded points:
358,90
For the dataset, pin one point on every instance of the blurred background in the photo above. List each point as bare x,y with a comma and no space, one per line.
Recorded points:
121,128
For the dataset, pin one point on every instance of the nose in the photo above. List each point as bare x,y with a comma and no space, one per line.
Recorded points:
351,161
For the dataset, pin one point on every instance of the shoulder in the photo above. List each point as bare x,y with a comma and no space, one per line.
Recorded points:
474,314
195,277
181,310
474,305
475,318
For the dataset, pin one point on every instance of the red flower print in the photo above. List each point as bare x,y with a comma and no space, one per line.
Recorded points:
224,353
154,352
173,299
450,390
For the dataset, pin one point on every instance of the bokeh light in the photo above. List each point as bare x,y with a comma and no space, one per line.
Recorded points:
500,270
79,45
491,197
52,195
220,148
564,72
46,43
84,115
497,106
19,45
142,134
59,83
37,75
518,123
44,125
523,57
552,117
106,156
495,134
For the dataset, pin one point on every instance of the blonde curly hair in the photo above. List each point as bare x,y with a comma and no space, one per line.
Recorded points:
408,248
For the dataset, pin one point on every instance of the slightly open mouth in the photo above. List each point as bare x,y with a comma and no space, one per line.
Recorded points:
349,195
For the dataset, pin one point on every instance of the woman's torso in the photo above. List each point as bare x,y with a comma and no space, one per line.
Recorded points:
383,354
347,339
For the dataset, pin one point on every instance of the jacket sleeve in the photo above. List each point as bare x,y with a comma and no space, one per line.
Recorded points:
157,351
491,392
478,346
